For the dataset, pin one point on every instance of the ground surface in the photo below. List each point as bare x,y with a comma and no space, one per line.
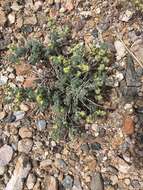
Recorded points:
109,155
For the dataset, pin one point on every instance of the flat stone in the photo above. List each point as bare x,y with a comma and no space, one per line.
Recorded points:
25,132
25,145
6,153
31,181
50,183
21,171
97,182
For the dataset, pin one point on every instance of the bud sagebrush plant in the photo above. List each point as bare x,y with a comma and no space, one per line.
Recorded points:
78,78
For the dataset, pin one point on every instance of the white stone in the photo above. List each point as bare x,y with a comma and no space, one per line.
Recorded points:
11,18
19,115
114,179
2,170
25,145
19,78
11,76
3,80
6,153
16,7
10,69
98,10
2,114
126,16
120,49
127,181
24,107
119,76
31,180
38,5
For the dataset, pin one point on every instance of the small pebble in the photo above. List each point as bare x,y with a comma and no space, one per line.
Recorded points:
41,125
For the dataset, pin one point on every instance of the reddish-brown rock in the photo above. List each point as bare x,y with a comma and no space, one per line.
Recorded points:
128,125
29,82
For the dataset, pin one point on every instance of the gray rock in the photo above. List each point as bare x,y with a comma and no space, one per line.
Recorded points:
6,153
25,145
97,182
41,125
19,115
10,118
68,182
21,171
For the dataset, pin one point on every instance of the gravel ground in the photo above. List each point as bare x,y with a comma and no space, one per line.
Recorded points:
109,155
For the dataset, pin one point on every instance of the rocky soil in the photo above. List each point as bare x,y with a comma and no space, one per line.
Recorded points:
109,155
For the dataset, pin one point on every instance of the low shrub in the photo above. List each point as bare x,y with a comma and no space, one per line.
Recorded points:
78,75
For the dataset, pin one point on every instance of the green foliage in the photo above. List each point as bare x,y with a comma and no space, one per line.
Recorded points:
78,82
138,4
17,95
